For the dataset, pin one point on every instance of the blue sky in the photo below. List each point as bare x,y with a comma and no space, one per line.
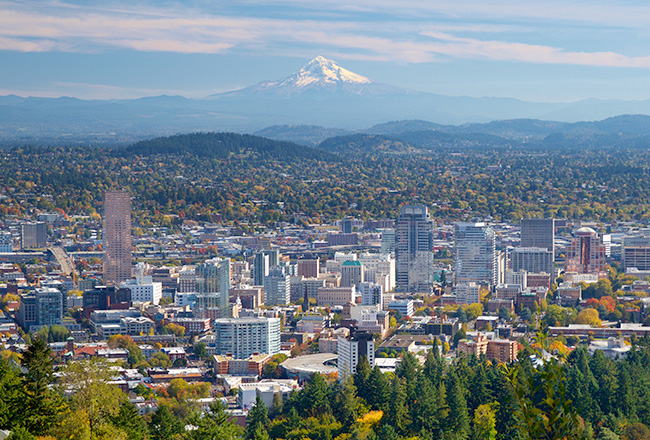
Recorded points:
534,50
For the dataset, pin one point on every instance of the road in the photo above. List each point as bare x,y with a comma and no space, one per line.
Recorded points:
67,267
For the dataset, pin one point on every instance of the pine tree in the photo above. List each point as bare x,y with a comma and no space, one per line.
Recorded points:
164,425
378,390
316,396
345,402
361,378
397,408
214,425
387,432
9,382
479,392
128,420
36,406
257,419
457,420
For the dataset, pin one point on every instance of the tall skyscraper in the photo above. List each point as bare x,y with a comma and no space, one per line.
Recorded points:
117,237
538,233
414,249
475,256
213,288
586,254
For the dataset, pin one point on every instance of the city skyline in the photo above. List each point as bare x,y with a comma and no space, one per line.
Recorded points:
539,51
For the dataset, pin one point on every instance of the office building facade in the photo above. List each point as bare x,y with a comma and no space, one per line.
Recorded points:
475,256
414,249
243,337
117,237
532,259
33,235
538,233
351,350
586,254
277,288
213,288
636,252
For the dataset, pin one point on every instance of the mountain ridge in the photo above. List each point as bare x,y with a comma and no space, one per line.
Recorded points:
321,93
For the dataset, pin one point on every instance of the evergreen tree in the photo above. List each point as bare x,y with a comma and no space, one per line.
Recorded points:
387,432
458,419
425,410
9,383
604,372
479,391
397,408
164,425
129,421
378,390
408,371
316,396
257,419
345,402
214,425
361,378
35,406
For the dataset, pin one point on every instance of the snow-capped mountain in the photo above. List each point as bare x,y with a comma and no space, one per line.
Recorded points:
319,75
320,71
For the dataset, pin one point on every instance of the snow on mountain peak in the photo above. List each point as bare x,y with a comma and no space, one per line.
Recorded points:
323,71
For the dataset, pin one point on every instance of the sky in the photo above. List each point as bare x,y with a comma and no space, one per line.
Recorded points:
552,51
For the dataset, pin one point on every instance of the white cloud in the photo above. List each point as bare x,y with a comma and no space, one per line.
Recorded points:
507,51
56,26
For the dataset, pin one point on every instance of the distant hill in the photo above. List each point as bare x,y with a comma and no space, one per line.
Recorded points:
365,144
223,145
394,127
301,134
440,140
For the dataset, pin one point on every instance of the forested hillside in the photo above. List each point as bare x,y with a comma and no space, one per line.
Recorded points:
249,179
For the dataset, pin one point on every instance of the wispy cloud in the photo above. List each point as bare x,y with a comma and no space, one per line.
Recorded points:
58,26
507,51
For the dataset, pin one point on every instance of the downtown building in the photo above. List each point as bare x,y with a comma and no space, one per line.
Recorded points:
538,233
117,237
213,288
351,350
636,253
586,254
475,256
414,249
243,337
532,259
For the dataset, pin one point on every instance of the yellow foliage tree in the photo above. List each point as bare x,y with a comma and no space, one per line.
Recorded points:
588,316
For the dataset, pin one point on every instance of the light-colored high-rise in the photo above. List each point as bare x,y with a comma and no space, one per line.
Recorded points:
636,252
414,249
475,256
242,337
277,288
117,237
351,351
213,288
